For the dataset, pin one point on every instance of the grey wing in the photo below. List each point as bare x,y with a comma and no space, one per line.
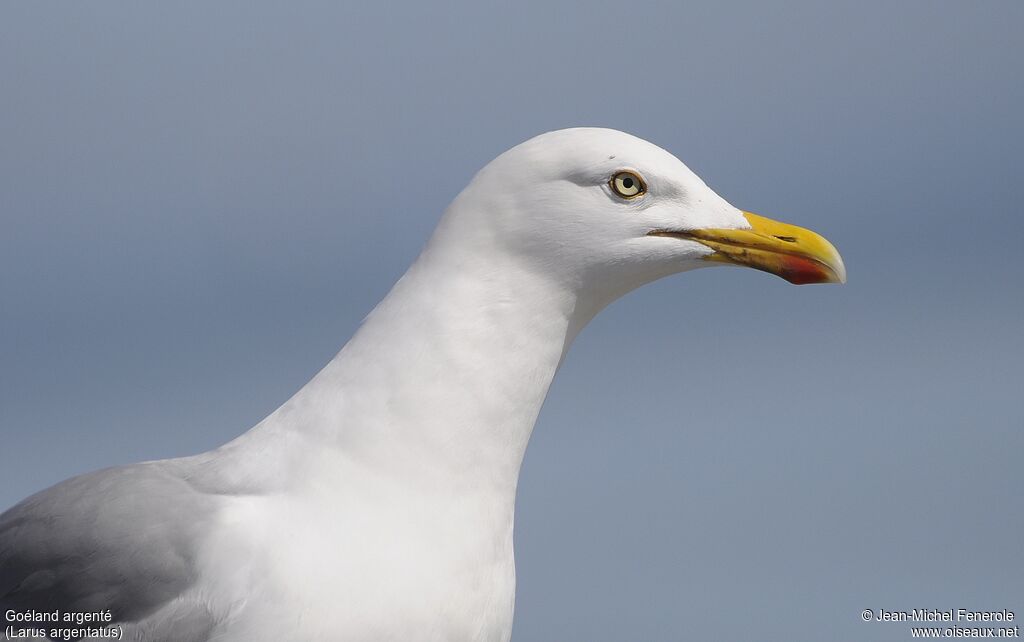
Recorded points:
122,539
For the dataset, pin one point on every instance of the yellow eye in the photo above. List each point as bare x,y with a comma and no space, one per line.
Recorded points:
627,185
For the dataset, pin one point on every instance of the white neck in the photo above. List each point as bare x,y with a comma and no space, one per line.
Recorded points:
444,380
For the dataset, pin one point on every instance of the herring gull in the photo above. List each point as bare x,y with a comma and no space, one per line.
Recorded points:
377,503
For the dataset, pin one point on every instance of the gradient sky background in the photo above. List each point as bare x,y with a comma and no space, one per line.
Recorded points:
200,201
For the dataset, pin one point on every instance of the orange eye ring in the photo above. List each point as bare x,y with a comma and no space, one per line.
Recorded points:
628,184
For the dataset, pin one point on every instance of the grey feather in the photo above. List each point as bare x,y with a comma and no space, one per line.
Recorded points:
121,539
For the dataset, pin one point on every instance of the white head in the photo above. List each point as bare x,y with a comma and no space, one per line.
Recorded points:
605,212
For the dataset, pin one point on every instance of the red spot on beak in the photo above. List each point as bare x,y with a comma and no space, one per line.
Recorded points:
801,271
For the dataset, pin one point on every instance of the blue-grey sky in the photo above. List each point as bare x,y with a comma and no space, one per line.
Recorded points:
200,201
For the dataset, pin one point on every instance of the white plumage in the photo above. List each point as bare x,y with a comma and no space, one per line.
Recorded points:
377,503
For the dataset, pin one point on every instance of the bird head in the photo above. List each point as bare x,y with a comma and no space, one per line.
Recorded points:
605,210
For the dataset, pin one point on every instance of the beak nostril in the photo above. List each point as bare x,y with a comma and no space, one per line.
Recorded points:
787,239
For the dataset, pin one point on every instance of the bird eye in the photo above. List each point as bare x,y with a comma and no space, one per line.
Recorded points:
627,185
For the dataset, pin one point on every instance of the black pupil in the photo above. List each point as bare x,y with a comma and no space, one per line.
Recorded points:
627,182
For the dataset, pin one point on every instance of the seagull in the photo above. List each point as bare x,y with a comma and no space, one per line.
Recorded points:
377,503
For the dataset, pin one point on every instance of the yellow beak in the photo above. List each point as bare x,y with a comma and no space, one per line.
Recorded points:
796,254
